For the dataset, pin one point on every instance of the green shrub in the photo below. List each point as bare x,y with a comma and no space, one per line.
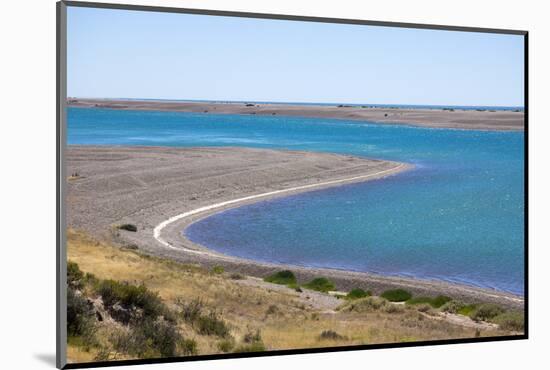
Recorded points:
128,227
512,320
252,336
74,276
80,316
439,301
364,304
162,335
226,345
131,296
331,335
436,302
188,347
419,300
254,347
218,270
191,311
396,295
486,312
452,306
236,276
467,310
357,293
151,338
284,277
321,284
212,324
253,340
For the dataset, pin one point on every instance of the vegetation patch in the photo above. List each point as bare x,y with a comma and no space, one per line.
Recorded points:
321,284
435,302
364,304
127,227
218,270
209,323
486,312
512,320
396,295
331,335
467,310
131,297
358,293
284,277
453,306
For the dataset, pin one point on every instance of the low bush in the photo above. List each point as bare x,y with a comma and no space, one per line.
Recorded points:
439,301
131,296
80,316
188,347
435,302
236,276
226,345
357,293
161,335
252,336
254,347
321,284
152,338
452,306
74,276
331,335
365,304
512,320
285,277
218,270
396,295
467,310
127,227
486,312
212,324
191,311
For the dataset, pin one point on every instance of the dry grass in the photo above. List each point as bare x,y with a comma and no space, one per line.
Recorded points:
284,319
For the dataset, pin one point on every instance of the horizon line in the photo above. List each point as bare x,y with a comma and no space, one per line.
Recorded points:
296,102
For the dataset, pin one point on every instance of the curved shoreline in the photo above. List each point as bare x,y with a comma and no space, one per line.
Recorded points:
240,201
147,186
182,221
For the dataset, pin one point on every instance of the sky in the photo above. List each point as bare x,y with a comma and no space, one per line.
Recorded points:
134,54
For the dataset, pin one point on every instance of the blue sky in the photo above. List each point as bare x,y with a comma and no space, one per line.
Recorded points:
133,54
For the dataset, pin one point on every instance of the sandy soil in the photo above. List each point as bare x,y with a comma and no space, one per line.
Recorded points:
436,118
146,186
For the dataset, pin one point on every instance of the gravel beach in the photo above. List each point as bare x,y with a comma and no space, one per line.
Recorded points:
146,186
482,119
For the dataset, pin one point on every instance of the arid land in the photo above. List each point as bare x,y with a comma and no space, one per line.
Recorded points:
482,119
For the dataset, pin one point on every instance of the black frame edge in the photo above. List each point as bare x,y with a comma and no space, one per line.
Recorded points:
289,17
61,255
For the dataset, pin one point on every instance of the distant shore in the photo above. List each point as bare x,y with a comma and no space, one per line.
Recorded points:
435,118
146,186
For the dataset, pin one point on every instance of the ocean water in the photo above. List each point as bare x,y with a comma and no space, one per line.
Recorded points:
458,216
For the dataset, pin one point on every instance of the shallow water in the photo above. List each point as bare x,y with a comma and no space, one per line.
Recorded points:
458,216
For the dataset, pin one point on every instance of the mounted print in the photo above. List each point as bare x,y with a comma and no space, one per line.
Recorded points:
235,184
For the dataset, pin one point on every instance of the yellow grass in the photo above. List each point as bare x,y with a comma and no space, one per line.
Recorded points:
291,324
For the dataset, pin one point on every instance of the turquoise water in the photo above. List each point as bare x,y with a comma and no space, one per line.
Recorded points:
458,216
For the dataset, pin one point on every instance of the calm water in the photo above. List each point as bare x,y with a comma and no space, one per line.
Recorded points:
457,217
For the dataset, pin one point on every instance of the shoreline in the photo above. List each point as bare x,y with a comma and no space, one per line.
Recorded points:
164,188
432,118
